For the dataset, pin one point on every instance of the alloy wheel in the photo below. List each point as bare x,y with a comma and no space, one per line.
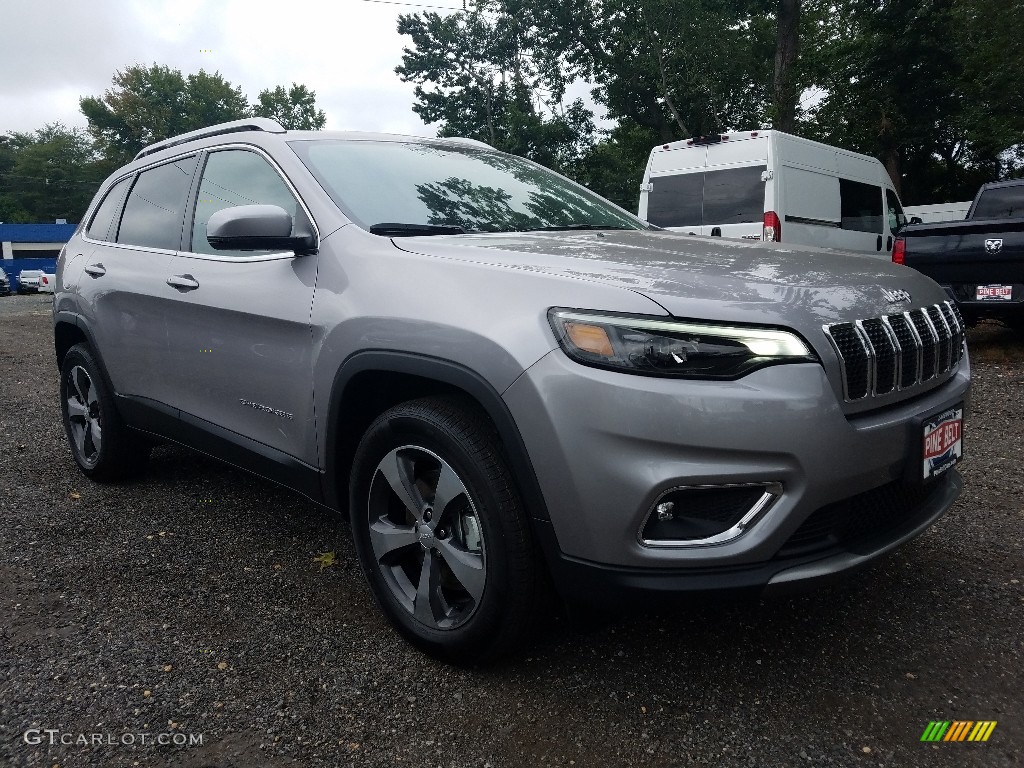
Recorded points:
426,537
84,415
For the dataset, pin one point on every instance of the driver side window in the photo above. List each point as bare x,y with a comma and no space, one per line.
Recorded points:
236,177
894,211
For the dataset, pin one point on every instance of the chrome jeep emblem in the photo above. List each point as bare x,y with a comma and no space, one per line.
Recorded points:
896,296
994,245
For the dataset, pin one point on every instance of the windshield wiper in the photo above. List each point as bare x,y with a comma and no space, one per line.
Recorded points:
394,229
564,227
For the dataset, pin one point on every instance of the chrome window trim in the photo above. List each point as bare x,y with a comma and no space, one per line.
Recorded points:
136,172
772,492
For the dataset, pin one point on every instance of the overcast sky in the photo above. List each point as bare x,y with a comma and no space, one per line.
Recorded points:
53,52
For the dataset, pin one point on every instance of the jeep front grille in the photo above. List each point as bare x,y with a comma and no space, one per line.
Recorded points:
897,352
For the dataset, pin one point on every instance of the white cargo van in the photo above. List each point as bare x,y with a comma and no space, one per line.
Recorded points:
768,185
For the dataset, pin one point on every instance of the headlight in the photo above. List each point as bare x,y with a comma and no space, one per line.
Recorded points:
673,348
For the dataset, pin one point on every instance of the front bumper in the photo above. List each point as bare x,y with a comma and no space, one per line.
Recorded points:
606,445
601,586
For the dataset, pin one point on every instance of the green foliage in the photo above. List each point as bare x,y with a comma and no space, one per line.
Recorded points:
54,172
932,88
47,175
614,166
294,108
148,104
482,75
676,67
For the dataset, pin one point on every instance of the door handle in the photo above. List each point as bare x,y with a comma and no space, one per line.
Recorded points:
96,270
183,282
878,243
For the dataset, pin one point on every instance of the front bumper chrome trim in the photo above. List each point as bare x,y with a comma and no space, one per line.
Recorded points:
772,491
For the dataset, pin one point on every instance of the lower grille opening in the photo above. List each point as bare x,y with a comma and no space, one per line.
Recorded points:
693,514
859,518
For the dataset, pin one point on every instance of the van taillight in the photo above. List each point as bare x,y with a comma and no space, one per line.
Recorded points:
899,251
772,228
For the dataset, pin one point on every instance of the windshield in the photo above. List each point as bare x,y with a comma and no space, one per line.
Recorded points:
405,188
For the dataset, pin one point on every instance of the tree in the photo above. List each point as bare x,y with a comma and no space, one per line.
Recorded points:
147,104
675,67
930,87
483,75
294,108
46,175
787,51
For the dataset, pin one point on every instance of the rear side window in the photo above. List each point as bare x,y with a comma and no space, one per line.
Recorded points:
860,206
734,196
731,196
99,227
236,177
676,201
1001,203
156,206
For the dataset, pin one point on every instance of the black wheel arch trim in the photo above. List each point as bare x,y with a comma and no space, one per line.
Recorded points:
444,372
75,319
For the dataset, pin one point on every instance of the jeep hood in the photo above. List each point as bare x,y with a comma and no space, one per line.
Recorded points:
702,277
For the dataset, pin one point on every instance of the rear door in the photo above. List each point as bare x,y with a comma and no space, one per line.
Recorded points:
239,321
675,194
123,294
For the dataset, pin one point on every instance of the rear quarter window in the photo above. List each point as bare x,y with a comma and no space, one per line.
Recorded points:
99,227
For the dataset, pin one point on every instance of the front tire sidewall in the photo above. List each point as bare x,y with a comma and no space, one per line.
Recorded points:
467,642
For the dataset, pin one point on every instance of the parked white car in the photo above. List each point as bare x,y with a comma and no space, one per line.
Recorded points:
28,280
47,282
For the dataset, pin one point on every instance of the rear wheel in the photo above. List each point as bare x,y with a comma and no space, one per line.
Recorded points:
102,446
441,534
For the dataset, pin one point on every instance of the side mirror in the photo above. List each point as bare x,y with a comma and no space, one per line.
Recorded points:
259,228
916,220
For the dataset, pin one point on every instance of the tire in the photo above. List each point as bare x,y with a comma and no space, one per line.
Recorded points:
90,417
483,571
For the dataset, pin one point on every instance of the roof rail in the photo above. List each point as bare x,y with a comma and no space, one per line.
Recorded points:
250,124
469,142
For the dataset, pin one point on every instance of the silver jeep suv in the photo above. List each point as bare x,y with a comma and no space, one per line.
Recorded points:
503,380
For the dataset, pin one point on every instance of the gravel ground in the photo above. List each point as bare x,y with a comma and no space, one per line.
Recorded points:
189,603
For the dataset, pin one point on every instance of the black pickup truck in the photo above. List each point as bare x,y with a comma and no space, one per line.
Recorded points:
980,260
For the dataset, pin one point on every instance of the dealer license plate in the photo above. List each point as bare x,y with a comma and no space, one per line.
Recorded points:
993,293
943,442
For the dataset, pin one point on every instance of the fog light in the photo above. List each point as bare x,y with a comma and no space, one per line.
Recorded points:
703,515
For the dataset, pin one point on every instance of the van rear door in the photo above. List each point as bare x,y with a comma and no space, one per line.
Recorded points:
698,188
675,189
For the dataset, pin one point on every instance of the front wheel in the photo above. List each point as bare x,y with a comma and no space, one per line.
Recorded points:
440,532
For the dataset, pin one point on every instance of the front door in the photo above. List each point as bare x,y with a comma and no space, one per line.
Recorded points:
239,326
